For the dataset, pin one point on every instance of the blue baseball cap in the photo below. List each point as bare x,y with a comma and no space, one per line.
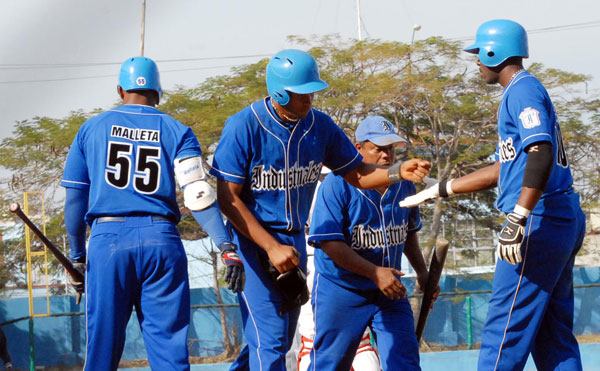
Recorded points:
378,131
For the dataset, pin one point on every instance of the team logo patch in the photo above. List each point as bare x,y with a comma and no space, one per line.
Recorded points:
387,126
530,118
140,81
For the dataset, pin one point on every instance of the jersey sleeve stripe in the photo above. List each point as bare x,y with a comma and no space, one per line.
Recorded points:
543,137
416,229
346,165
224,173
74,182
326,236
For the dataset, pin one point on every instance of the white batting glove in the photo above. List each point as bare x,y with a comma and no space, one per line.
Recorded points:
511,237
430,193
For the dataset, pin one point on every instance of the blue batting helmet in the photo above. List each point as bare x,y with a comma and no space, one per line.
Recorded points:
293,71
498,40
140,73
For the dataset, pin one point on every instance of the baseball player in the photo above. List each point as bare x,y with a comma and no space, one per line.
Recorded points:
366,357
531,308
360,236
267,164
120,178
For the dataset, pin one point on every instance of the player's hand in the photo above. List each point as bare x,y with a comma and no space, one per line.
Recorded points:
284,258
422,282
414,169
79,286
387,281
431,192
511,237
234,274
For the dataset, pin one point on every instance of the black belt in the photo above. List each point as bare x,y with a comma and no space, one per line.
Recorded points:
121,219
282,231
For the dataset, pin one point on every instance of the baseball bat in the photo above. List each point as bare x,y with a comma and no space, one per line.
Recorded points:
77,275
435,272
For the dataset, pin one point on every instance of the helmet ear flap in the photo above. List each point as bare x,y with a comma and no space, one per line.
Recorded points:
282,97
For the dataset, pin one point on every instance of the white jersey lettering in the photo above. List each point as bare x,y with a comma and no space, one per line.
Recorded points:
274,180
367,237
135,134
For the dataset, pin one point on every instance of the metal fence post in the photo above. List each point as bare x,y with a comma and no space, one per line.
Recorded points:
469,324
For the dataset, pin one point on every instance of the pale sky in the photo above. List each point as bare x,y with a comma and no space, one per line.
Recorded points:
57,56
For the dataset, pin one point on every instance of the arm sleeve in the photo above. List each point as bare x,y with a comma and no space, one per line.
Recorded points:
341,156
230,161
76,205
539,166
212,222
328,220
532,111
189,146
75,174
414,215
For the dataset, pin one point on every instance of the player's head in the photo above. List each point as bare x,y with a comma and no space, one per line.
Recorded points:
497,40
140,75
292,79
376,139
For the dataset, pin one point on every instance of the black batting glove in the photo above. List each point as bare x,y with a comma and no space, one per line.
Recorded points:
234,275
79,286
511,237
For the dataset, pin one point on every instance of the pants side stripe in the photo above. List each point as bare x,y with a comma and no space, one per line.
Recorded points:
315,293
516,293
256,327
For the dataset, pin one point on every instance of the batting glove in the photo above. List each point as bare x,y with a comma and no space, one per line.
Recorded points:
234,275
433,190
511,237
79,286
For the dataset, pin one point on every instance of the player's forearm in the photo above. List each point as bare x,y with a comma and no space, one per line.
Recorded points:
529,197
242,219
368,176
348,259
413,253
212,222
478,180
76,205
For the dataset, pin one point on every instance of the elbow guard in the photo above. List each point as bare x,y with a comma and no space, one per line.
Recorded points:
540,160
198,195
189,170
190,174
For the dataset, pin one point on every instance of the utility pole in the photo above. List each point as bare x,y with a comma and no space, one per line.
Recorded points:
358,19
143,27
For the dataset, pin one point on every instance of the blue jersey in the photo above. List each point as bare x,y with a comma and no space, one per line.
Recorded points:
372,224
526,116
125,157
278,164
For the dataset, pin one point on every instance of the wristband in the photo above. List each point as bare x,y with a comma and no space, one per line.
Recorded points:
394,172
445,188
521,211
